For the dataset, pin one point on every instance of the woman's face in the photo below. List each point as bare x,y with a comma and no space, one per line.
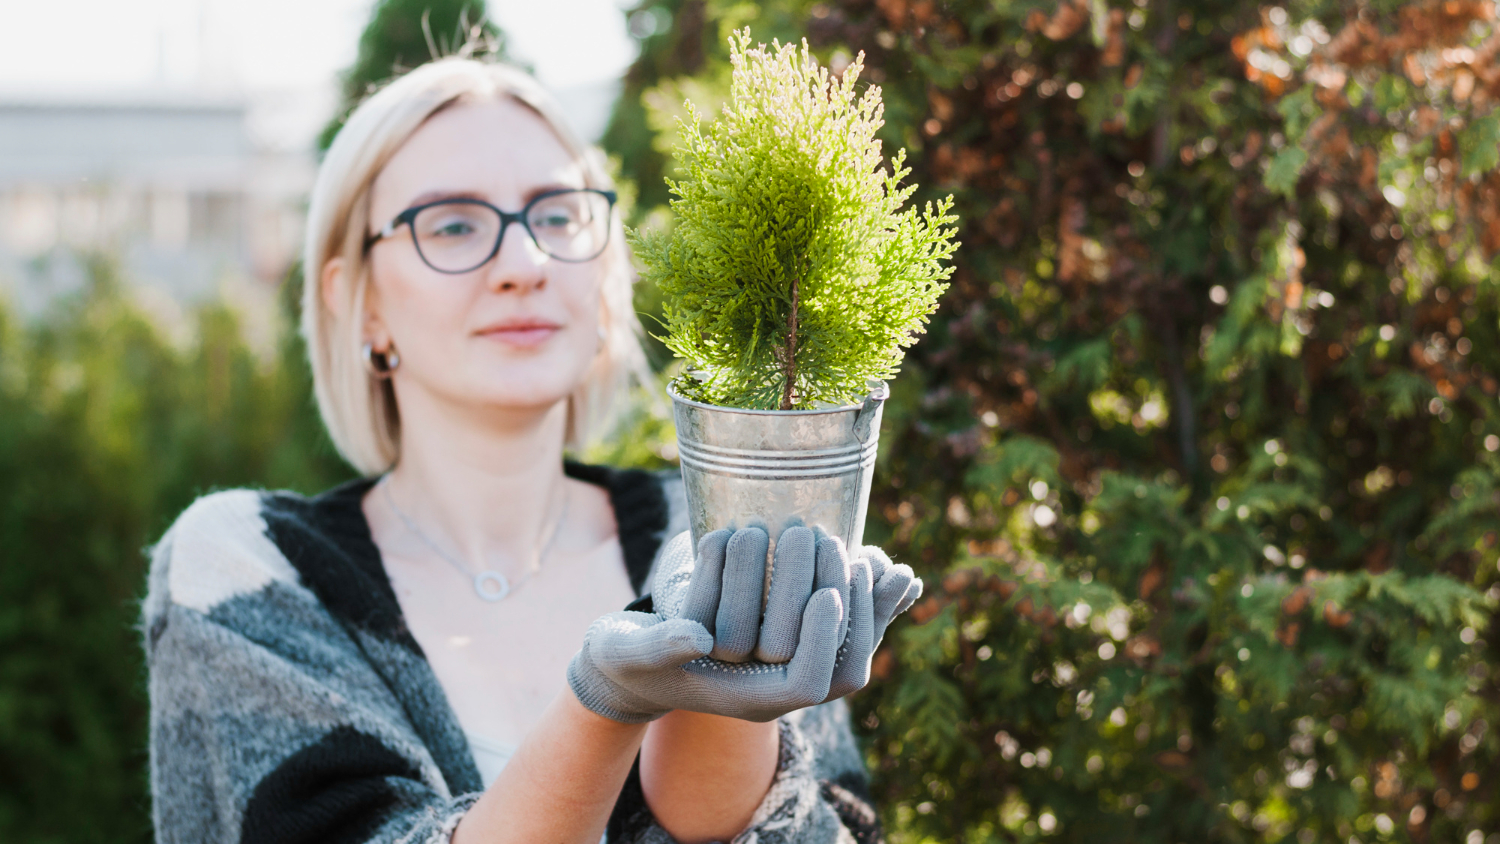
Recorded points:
518,332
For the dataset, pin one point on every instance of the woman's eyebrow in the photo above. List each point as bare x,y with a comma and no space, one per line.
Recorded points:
437,195
530,194
548,188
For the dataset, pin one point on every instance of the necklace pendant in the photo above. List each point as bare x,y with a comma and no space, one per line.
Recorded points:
491,585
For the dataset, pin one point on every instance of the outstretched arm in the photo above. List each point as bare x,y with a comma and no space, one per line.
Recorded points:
705,775
562,782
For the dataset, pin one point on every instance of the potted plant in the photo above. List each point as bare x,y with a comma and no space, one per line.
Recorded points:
792,279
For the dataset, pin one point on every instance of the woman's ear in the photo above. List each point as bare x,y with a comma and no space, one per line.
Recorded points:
336,302
328,285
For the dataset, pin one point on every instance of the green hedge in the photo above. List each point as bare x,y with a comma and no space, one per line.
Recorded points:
1199,457
107,431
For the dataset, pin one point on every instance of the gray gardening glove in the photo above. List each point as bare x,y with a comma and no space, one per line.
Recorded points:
722,589
635,667
728,602
872,608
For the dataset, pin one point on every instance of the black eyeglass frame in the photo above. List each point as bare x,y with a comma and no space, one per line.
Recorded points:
409,216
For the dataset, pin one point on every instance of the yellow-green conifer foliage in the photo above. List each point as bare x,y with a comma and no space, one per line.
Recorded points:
791,274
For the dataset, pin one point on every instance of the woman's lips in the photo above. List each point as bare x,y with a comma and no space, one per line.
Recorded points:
522,335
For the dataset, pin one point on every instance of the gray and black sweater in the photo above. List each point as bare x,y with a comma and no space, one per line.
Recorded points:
290,704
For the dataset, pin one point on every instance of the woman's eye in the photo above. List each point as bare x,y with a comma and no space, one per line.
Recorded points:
554,219
453,228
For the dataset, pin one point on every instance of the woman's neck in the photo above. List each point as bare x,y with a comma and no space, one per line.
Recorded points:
485,486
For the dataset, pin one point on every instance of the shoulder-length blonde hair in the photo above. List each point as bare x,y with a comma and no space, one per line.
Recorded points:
358,409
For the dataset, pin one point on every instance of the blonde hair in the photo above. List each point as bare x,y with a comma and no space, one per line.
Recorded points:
358,409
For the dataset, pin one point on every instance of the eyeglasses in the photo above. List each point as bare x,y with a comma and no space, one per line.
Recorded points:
461,235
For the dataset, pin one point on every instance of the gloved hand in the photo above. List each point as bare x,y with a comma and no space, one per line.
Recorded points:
635,667
722,590
728,602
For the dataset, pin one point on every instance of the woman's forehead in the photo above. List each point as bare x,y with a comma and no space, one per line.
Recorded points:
500,150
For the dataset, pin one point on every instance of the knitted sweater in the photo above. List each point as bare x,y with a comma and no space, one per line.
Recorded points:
289,702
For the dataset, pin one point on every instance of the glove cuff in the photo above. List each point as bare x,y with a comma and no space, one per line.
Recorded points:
599,695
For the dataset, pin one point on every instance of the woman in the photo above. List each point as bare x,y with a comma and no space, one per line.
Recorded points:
399,659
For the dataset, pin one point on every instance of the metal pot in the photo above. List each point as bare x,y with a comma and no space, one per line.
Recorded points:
774,469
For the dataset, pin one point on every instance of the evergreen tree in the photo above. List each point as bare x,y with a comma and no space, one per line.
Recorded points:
1201,456
403,34
791,274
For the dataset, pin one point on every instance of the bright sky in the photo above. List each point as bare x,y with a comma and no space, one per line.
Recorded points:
290,48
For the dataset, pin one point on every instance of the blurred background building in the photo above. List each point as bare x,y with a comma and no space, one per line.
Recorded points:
170,183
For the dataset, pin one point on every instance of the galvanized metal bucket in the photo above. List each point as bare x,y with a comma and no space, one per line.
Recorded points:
774,469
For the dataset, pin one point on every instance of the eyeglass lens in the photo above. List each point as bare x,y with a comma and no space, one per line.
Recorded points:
459,236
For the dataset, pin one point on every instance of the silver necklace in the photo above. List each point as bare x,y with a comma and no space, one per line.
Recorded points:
489,584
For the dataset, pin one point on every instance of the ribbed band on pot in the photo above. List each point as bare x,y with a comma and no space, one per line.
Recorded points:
763,463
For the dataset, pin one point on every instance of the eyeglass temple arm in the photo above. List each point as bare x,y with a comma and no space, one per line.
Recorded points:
387,230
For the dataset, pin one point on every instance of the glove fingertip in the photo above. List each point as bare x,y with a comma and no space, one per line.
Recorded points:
796,555
711,546
832,567
797,534
823,617
861,578
877,559
913,593
835,546
701,599
829,597
682,637
747,543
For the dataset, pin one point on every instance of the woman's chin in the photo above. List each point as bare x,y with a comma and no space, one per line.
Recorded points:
521,395
528,384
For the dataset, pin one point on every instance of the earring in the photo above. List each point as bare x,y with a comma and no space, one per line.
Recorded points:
387,363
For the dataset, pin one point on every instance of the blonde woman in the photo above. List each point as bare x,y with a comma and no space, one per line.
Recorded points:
440,651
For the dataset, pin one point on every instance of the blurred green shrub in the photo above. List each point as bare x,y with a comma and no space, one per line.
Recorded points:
1201,455
106,433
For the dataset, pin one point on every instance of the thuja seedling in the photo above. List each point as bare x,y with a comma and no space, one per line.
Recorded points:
791,274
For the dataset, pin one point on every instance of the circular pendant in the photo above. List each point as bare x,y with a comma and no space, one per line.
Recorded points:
491,585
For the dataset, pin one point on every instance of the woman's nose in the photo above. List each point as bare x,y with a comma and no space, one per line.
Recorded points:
519,266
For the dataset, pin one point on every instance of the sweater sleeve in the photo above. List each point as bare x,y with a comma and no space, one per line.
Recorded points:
819,795
268,721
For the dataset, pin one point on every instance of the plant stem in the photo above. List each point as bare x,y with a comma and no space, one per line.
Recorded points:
790,364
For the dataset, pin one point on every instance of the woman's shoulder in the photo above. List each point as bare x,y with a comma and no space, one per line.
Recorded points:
216,550
237,542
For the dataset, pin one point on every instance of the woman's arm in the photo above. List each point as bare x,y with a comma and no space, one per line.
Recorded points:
562,783
705,775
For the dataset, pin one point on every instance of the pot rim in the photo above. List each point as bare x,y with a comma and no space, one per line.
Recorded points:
879,391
